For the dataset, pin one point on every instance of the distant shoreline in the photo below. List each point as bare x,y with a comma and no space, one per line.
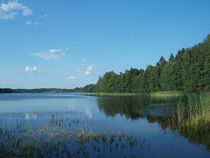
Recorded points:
38,90
57,90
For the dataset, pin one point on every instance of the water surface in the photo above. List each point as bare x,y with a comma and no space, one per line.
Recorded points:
68,125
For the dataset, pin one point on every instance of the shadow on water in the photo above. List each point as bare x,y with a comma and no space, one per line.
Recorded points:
158,110
134,107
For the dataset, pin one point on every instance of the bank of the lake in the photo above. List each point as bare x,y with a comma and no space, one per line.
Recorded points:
159,94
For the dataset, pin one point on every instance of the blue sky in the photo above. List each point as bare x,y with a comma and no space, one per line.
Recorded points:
69,43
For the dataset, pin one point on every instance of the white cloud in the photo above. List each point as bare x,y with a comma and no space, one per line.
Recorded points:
52,54
11,9
72,77
30,23
31,69
89,70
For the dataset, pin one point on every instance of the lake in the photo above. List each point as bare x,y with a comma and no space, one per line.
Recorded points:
77,125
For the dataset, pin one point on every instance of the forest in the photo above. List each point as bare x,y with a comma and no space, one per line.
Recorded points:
188,71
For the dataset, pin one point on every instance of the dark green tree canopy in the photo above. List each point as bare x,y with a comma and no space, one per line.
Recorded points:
171,58
188,71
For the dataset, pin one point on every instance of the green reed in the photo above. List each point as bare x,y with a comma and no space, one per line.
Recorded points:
166,94
193,108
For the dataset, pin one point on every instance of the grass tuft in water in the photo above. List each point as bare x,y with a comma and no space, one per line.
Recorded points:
193,108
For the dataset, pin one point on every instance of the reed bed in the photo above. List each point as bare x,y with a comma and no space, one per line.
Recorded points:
166,94
193,107
57,140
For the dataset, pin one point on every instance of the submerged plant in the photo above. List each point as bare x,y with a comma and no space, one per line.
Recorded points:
57,139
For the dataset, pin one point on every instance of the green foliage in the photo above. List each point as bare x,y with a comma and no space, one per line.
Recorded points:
165,94
109,83
188,71
88,88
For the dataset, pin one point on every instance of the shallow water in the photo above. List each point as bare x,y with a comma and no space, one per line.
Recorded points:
138,126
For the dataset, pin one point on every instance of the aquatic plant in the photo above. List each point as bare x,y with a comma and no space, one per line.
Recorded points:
193,108
166,94
192,118
57,139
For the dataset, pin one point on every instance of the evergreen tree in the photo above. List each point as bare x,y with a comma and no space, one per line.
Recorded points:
189,71
171,58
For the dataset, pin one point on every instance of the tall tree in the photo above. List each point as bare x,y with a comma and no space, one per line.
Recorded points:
188,71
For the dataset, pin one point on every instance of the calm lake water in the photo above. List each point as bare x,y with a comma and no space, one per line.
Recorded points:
76,125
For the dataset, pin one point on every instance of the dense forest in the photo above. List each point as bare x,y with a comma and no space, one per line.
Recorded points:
188,71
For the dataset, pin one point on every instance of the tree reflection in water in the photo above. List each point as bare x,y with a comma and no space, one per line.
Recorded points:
155,110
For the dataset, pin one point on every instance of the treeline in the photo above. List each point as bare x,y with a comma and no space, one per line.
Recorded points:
6,90
188,71
40,90
88,88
